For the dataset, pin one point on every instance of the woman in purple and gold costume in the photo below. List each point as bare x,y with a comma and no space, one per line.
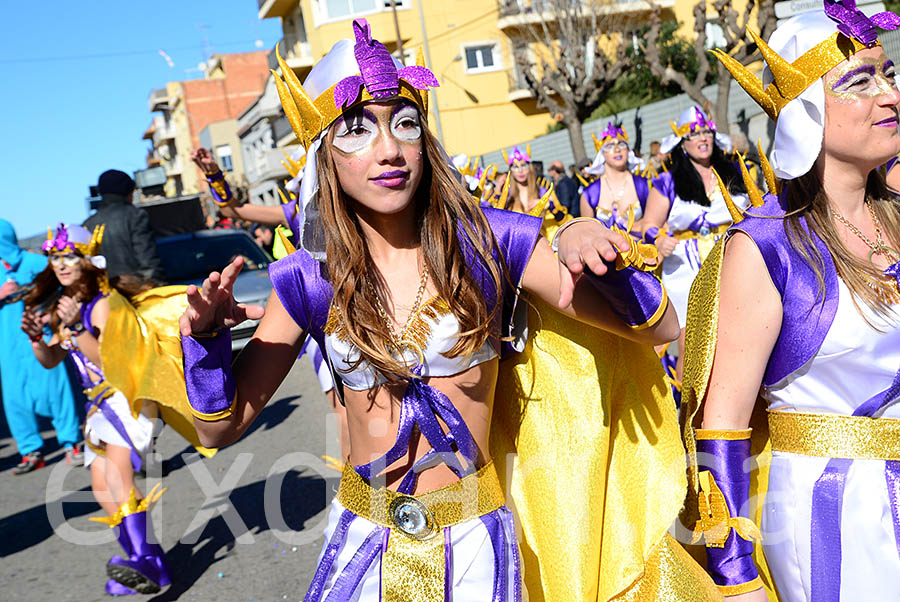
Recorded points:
799,306
122,341
523,193
411,290
619,187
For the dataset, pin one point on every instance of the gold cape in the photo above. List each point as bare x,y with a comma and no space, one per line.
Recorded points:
700,345
144,333
585,436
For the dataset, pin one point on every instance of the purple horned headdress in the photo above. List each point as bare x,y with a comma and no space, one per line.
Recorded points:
377,71
518,156
854,24
612,132
60,242
702,121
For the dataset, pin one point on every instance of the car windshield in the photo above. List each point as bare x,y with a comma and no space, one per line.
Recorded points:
192,257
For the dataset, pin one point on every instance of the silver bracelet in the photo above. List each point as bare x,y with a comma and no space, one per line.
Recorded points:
554,244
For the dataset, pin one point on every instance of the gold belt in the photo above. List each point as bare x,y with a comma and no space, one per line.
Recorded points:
413,564
835,436
688,234
472,496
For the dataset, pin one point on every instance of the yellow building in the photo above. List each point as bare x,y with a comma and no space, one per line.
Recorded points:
483,103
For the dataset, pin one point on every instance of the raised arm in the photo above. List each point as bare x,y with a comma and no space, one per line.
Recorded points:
655,216
586,246
224,398
48,354
263,214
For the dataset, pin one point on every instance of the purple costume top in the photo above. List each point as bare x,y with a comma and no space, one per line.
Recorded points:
808,315
641,187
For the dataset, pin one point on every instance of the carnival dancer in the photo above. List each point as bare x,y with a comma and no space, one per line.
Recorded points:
524,193
28,389
409,287
115,350
619,187
686,213
799,306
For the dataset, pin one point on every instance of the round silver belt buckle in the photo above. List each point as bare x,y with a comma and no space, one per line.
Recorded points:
411,517
704,231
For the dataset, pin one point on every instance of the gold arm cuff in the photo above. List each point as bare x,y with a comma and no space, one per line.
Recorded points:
835,436
472,496
657,315
215,415
689,234
742,588
726,435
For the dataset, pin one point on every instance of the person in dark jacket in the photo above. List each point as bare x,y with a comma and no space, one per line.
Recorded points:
566,189
128,242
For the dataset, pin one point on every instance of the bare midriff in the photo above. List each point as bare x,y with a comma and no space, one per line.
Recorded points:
373,417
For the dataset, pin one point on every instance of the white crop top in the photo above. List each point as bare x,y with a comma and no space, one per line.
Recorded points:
441,328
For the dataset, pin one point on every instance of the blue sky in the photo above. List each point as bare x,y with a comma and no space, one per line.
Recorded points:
76,77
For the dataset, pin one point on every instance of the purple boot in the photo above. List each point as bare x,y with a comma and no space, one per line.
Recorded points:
114,588
145,570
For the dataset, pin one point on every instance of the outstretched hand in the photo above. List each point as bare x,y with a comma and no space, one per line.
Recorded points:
203,159
212,306
587,244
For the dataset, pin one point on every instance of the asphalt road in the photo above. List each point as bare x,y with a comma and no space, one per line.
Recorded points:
244,525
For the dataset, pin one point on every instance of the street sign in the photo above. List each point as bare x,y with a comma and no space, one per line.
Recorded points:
789,8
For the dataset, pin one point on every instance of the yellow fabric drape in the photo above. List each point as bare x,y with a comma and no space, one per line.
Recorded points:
700,349
585,435
140,349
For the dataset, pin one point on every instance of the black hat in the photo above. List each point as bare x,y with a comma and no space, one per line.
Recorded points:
114,181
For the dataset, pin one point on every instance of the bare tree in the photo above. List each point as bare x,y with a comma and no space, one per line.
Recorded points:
733,27
569,53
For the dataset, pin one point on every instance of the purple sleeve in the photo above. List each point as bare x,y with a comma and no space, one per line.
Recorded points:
666,186
207,375
303,291
219,188
637,297
592,194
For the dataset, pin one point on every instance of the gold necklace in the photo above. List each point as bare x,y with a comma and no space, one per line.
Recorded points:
876,248
401,342
885,287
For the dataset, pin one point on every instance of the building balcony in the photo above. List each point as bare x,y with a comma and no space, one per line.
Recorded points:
518,87
159,100
296,53
269,9
162,134
148,133
519,13
173,167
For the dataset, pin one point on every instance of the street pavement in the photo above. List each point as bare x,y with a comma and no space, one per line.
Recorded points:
244,525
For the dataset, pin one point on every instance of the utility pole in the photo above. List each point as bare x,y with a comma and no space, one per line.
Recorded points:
433,93
397,32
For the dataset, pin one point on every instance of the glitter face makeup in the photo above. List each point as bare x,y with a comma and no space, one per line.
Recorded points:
357,131
862,77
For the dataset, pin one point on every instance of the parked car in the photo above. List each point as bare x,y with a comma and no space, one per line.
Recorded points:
189,259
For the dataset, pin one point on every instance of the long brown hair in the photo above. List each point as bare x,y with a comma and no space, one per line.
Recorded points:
530,185
45,290
805,198
443,207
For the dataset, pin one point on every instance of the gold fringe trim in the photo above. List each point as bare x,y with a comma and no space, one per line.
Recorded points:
132,506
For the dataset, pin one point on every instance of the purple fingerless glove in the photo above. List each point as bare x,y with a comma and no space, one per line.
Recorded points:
636,296
729,562
219,188
207,373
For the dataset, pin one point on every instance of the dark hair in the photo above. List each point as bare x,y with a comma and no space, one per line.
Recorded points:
689,185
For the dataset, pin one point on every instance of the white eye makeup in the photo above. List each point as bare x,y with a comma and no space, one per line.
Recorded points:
405,124
355,131
358,130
